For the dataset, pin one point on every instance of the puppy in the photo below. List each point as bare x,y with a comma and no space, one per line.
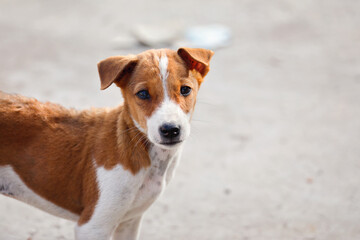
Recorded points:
103,167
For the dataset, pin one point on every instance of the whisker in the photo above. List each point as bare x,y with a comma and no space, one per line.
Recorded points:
135,137
127,130
140,139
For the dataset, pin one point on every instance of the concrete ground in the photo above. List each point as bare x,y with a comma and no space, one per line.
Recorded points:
275,146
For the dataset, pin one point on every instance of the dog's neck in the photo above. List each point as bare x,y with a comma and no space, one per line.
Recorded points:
127,129
135,151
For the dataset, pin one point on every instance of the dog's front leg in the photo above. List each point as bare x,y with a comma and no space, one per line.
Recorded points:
128,230
100,227
103,222
92,233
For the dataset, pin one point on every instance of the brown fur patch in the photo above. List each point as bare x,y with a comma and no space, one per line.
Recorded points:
146,76
55,151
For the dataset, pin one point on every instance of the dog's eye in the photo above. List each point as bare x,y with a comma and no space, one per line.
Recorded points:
143,94
185,91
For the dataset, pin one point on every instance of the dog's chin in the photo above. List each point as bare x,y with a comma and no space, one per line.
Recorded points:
168,145
171,145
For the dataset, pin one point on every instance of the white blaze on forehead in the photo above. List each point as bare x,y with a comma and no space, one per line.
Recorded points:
163,65
168,110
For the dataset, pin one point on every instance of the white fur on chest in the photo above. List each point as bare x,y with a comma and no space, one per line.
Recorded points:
155,178
124,196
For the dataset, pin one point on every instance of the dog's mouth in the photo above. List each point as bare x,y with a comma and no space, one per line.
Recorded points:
170,144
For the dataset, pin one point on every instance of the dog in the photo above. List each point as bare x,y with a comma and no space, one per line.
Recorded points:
104,167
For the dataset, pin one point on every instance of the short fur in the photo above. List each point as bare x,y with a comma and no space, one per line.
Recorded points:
100,166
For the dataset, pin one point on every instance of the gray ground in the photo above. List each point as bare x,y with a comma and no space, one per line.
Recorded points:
274,152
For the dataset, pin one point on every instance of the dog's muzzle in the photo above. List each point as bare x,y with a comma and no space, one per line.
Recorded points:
170,134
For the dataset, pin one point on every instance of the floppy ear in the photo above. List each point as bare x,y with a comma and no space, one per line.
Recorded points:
196,58
113,69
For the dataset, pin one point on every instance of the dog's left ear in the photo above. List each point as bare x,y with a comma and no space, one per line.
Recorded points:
115,69
196,58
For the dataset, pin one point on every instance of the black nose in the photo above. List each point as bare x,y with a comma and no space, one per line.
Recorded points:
169,131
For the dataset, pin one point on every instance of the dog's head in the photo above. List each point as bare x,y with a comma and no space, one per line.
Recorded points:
159,88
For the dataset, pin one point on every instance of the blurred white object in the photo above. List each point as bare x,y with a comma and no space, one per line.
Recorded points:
124,41
208,36
158,35
174,35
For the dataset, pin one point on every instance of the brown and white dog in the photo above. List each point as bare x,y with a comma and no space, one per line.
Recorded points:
103,167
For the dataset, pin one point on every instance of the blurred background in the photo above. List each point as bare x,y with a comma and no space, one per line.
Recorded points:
275,145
